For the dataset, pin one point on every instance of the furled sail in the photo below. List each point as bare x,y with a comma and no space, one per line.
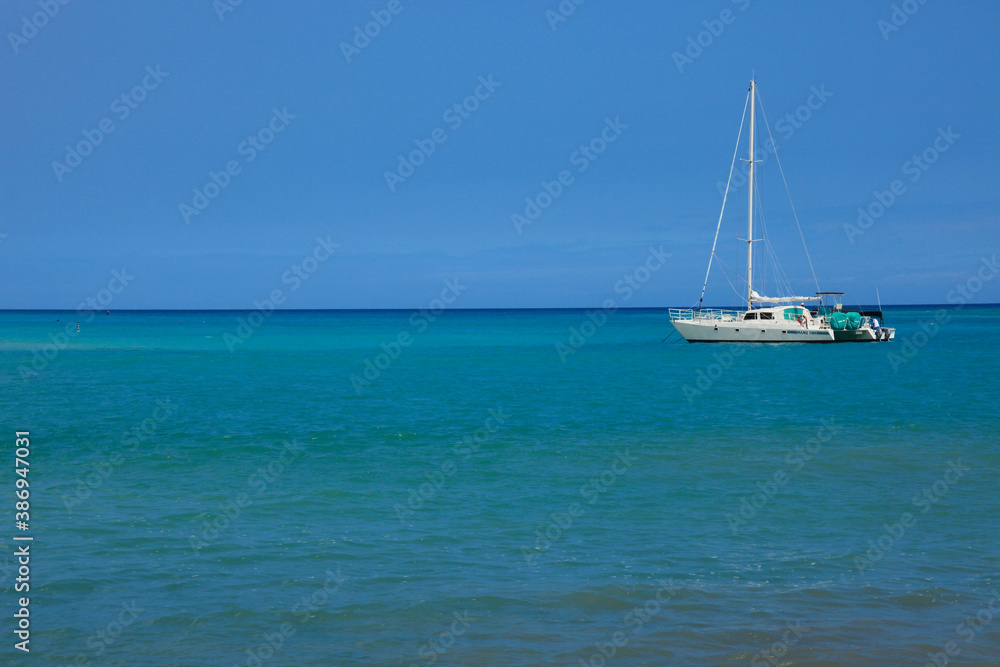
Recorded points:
757,298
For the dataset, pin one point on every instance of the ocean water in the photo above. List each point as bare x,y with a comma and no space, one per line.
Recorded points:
479,498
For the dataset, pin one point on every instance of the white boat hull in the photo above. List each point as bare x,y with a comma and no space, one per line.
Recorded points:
746,332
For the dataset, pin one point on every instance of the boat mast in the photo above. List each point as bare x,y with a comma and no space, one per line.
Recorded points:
750,204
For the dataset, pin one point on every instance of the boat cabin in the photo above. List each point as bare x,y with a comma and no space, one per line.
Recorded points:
777,313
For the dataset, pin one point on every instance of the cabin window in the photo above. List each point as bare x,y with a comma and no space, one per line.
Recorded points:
793,313
750,316
766,316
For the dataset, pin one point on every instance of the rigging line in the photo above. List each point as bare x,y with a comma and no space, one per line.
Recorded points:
770,263
726,276
780,278
805,193
738,294
726,266
724,196
782,283
768,258
794,214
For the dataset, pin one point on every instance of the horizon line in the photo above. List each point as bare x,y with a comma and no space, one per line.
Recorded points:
485,308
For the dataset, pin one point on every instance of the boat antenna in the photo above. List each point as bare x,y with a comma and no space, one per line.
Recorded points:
724,196
879,299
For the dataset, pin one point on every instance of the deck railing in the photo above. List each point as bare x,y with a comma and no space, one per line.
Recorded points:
706,315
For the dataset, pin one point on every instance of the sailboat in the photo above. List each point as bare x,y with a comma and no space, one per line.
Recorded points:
766,319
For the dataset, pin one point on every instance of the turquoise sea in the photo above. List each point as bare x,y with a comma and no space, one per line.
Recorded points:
479,498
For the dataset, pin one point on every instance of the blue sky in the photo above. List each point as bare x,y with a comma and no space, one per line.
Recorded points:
345,120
